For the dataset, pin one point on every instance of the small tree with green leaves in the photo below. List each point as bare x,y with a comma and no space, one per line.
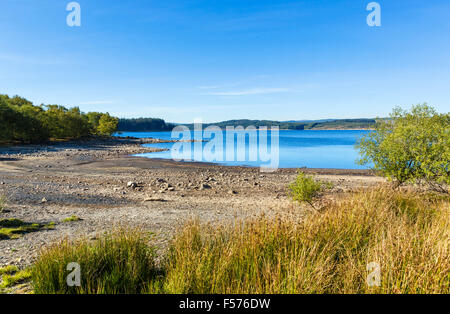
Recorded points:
305,188
410,147
107,125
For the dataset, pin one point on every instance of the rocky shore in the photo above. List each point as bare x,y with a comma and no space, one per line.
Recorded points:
103,186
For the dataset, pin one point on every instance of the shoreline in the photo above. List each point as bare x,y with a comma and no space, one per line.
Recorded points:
303,168
99,182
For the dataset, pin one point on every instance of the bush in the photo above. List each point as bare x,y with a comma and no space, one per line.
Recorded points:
305,188
118,262
410,147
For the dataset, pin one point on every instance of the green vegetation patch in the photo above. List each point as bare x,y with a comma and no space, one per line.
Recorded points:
10,269
13,276
72,219
13,228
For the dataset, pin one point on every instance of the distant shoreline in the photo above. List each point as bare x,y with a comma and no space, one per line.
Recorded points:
155,124
330,129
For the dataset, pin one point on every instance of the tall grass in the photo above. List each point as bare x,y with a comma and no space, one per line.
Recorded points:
2,203
118,262
325,252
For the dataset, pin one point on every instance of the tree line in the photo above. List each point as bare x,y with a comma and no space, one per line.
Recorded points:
144,125
155,124
291,125
21,121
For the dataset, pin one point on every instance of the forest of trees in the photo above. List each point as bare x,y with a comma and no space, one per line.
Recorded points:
144,125
154,124
288,125
21,121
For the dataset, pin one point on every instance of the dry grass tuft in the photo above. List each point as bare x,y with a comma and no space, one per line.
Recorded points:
327,252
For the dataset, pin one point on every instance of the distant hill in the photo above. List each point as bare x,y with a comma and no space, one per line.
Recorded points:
154,124
308,121
328,124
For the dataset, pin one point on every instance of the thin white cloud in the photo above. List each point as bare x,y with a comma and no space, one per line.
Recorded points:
30,60
253,91
98,102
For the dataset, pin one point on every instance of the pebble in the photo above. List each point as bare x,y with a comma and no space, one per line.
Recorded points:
204,186
131,184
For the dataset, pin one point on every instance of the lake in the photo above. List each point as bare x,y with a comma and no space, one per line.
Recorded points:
297,148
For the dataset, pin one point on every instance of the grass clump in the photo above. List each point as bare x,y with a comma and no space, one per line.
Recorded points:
327,252
72,219
305,188
12,228
117,262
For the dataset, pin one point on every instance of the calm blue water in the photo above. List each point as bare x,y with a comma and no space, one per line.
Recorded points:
312,149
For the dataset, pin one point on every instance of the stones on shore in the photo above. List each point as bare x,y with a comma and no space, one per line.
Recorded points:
204,186
232,192
43,200
154,200
132,184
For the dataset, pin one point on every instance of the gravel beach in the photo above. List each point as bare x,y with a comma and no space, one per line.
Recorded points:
100,182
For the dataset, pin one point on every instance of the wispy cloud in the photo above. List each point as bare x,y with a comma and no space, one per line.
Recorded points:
253,91
98,102
15,58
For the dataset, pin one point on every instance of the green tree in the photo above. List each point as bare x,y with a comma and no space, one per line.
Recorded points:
21,121
410,147
94,121
107,125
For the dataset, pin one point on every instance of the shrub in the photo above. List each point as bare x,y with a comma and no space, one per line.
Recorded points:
117,262
410,147
306,188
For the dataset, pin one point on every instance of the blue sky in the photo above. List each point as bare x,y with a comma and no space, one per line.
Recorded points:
228,59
